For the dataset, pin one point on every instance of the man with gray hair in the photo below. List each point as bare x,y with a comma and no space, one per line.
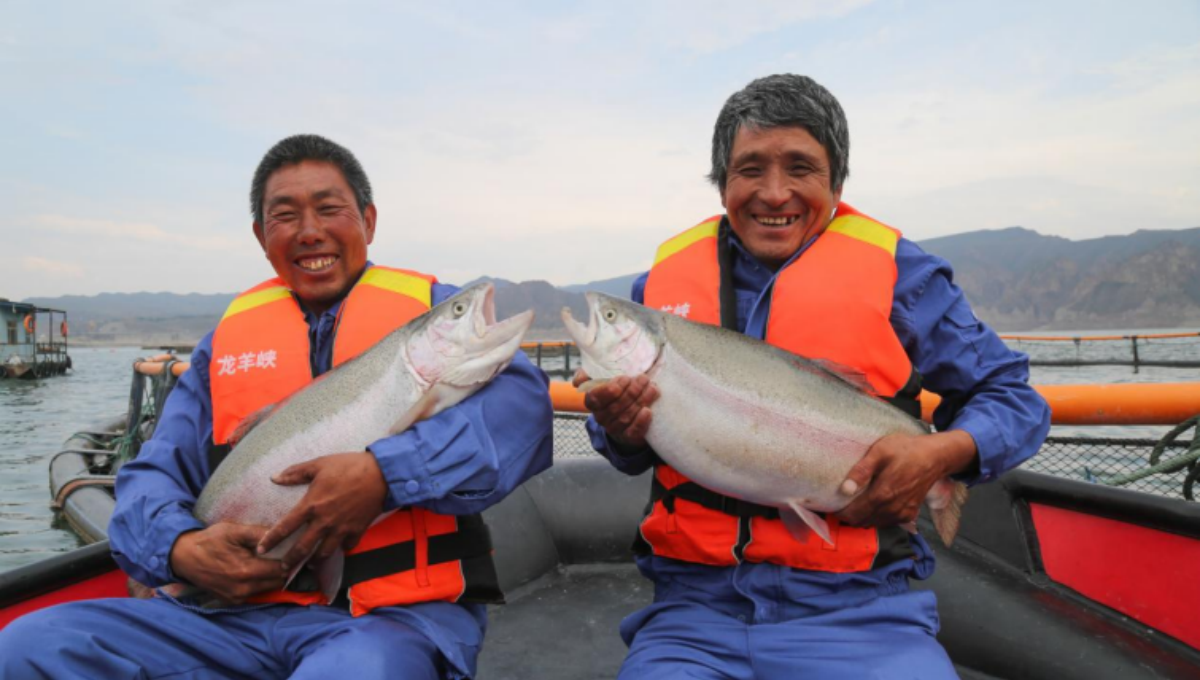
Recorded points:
736,596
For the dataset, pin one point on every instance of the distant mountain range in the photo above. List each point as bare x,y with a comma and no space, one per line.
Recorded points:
1016,280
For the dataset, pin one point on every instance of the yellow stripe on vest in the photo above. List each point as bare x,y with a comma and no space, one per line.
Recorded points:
256,299
867,231
700,231
398,282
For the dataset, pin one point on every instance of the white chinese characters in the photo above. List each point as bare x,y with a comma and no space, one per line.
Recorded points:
682,309
245,362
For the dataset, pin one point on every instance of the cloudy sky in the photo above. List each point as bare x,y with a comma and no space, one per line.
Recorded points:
563,141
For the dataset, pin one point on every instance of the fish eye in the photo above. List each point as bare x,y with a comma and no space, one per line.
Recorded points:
459,308
610,315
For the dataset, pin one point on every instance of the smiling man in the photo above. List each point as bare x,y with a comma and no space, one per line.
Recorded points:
412,617
790,263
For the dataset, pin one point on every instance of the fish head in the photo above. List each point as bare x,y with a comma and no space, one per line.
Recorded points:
620,338
459,342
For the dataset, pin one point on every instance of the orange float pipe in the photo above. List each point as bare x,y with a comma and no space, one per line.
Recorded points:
156,367
1121,404
565,397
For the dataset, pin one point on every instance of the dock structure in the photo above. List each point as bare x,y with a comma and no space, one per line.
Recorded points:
33,341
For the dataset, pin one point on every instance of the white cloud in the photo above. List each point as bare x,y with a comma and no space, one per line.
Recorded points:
41,265
148,233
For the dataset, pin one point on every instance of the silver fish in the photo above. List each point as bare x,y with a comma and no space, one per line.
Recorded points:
747,419
426,366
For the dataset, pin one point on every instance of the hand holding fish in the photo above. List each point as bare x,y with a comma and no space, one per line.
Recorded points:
621,406
893,479
345,494
221,560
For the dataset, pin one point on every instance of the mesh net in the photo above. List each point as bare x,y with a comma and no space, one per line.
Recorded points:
1153,350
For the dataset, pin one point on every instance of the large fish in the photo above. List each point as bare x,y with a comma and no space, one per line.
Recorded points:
426,366
747,419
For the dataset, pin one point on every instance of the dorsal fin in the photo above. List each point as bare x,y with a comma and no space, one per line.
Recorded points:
249,423
846,374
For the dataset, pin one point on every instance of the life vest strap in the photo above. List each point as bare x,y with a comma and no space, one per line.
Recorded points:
690,491
908,399
472,540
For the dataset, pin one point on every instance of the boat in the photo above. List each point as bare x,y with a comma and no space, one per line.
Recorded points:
33,341
1050,577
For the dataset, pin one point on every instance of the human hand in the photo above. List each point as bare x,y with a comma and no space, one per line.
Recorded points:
621,406
345,494
222,560
892,480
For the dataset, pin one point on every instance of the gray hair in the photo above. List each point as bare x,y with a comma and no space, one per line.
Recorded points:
299,148
784,100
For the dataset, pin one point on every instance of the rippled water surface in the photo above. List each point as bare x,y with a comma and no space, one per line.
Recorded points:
36,417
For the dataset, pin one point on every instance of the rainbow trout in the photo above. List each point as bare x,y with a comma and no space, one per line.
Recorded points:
424,367
747,419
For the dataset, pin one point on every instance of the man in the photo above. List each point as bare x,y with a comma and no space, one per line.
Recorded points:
791,264
314,218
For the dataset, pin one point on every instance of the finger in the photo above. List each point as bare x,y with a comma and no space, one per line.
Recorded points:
627,403
246,535
580,377
306,546
601,398
285,527
861,474
301,473
640,426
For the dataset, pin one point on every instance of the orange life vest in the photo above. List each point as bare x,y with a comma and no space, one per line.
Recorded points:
260,356
831,303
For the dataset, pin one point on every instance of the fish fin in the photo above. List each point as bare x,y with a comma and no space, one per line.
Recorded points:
945,502
329,575
799,520
436,399
846,374
589,385
249,423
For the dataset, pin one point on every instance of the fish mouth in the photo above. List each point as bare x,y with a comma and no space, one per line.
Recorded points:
584,336
500,337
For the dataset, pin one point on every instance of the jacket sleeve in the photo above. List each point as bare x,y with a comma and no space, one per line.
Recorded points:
628,461
471,456
983,384
156,491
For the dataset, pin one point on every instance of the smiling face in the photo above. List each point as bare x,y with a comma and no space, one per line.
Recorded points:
777,193
313,232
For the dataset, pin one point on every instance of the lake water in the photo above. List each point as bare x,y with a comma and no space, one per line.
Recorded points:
36,417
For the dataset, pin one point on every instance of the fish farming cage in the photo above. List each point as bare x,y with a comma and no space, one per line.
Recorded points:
1168,350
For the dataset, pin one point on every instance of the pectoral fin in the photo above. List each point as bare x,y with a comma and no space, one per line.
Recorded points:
329,575
799,521
435,399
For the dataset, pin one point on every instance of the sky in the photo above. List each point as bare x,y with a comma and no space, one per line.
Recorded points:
563,141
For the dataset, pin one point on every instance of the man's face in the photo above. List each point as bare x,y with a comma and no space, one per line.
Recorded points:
777,193
313,232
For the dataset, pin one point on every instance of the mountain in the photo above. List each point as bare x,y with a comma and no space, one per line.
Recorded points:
1015,278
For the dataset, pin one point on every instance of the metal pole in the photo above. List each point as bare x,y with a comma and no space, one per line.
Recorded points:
1133,339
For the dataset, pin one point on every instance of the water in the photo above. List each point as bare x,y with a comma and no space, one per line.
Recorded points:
36,417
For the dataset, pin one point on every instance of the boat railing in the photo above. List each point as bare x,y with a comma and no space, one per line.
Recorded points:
1164,350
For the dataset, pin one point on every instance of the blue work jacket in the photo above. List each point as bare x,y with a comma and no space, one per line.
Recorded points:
985,392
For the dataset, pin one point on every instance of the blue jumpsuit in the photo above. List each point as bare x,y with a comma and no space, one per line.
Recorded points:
759,620
460,461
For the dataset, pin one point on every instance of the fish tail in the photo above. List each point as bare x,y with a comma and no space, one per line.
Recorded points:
947,499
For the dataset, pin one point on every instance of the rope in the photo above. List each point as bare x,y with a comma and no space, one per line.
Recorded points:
1188,460
76,483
